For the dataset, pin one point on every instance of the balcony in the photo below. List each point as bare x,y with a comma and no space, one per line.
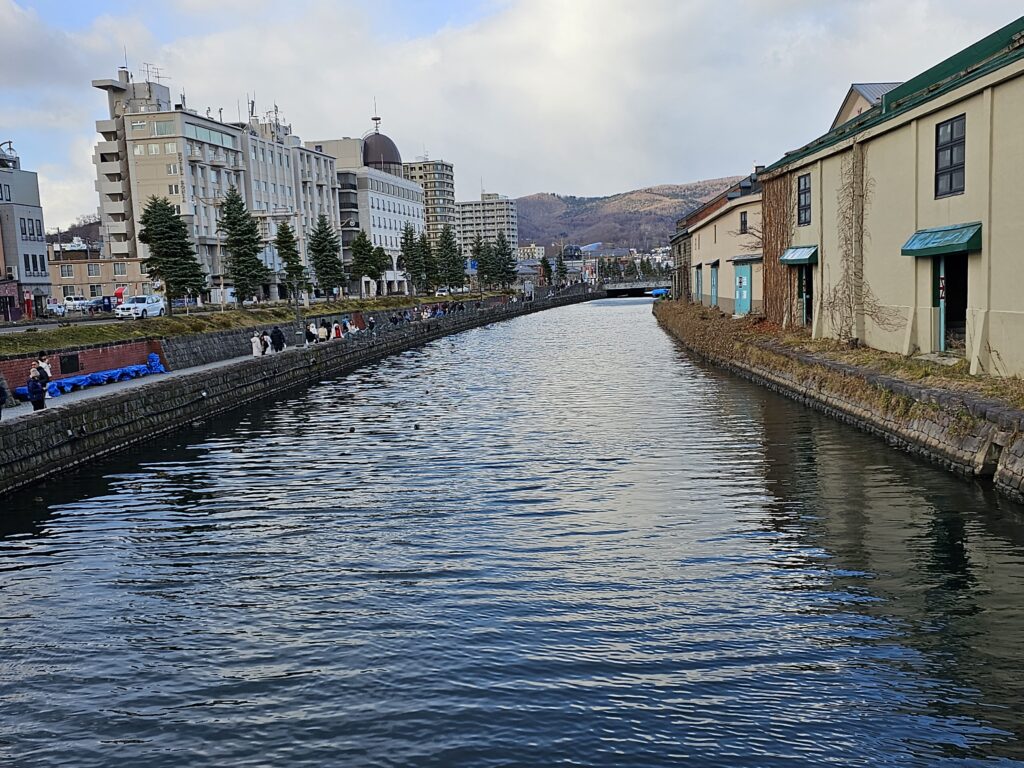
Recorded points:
108,148
307,176
113,207
116,228
219,161
106,126
109,187
196,156
120,249
109,168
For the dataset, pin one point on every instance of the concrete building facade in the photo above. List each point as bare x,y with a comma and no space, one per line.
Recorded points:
437,178
531,252
25,282
487,217
901,227
151,147
82,269
381,203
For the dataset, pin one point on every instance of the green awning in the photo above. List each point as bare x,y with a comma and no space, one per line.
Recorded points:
804,254
749,258
956,238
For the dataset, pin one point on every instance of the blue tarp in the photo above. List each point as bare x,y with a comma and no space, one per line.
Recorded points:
58,387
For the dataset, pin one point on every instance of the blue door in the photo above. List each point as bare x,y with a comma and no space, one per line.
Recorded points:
714,286
698,284
743,273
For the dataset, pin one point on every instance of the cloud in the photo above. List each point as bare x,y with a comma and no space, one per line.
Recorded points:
584,97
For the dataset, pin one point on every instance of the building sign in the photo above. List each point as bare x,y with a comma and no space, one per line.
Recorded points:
9,290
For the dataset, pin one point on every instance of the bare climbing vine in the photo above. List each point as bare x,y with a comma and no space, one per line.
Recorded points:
849,301
777,221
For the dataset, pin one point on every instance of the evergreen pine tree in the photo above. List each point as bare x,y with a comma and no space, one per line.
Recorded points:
288,250
362,259
560,269
429,272
411,260
478,255
325,256
545,269
451,266
504,261
172,260
243,245
381,263
487,259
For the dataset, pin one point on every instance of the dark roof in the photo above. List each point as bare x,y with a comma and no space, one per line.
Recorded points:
987,55
874,92
380,152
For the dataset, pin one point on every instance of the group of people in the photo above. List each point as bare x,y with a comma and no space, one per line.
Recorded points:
264,342
39,376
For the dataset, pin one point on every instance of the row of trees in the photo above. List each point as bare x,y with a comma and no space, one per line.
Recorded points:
172,259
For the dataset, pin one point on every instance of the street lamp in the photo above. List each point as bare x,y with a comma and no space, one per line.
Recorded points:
294,285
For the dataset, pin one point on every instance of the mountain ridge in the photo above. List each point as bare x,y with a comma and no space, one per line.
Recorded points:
641,218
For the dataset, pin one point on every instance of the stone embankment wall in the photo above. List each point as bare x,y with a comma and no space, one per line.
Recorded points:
966,434
50,442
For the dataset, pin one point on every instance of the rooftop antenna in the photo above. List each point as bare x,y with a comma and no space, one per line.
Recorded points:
153,72
375,119
125,56
220,114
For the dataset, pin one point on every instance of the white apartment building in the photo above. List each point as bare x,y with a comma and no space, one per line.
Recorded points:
437,178
487,217
150,147
531,252
384,200
25,281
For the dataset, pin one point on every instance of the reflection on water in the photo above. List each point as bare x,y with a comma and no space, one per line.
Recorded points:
554,541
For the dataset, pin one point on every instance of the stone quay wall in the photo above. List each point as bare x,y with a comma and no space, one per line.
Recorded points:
50,442
962,432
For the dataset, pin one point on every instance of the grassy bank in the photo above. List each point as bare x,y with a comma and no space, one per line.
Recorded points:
31,341
750,339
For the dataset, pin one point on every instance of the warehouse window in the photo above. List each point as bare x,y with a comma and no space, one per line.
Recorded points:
950,147
803,200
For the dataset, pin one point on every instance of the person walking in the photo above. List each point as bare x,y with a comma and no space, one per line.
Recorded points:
336,331
257,344
265,341
36,391
371,324
323,333
277,339
311,332
42,365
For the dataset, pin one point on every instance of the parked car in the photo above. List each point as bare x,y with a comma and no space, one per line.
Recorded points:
141,307
55,309
75,303
94,305
441,292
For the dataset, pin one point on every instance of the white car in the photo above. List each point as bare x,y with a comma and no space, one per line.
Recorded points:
75,303
55,309
141,307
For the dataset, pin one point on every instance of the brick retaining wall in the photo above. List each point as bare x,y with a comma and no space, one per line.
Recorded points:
966,434
47,443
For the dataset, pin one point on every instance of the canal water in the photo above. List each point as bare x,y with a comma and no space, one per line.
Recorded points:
556,541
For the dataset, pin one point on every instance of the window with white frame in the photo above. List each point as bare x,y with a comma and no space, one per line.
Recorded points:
93,269
120,269
67,271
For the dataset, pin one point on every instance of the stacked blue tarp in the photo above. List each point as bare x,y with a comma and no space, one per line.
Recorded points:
58,387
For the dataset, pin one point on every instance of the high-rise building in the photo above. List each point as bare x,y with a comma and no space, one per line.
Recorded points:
25,282
375,196
487,217
437,178
149,146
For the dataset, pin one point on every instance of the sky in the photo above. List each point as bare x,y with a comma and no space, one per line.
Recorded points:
580,97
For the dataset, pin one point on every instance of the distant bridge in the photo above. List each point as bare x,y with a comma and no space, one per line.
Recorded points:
634,287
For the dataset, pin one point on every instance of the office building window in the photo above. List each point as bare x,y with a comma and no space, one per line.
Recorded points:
39,227
138,149
803,200
120,269
67,271
743,222
171,148
172,169
173,189
35,263
94,270
95,291
69,290
950,149
154,149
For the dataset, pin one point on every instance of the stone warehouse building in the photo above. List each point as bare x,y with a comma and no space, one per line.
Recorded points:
725,249
902,227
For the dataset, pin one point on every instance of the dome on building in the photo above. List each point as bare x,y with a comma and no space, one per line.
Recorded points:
380,152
